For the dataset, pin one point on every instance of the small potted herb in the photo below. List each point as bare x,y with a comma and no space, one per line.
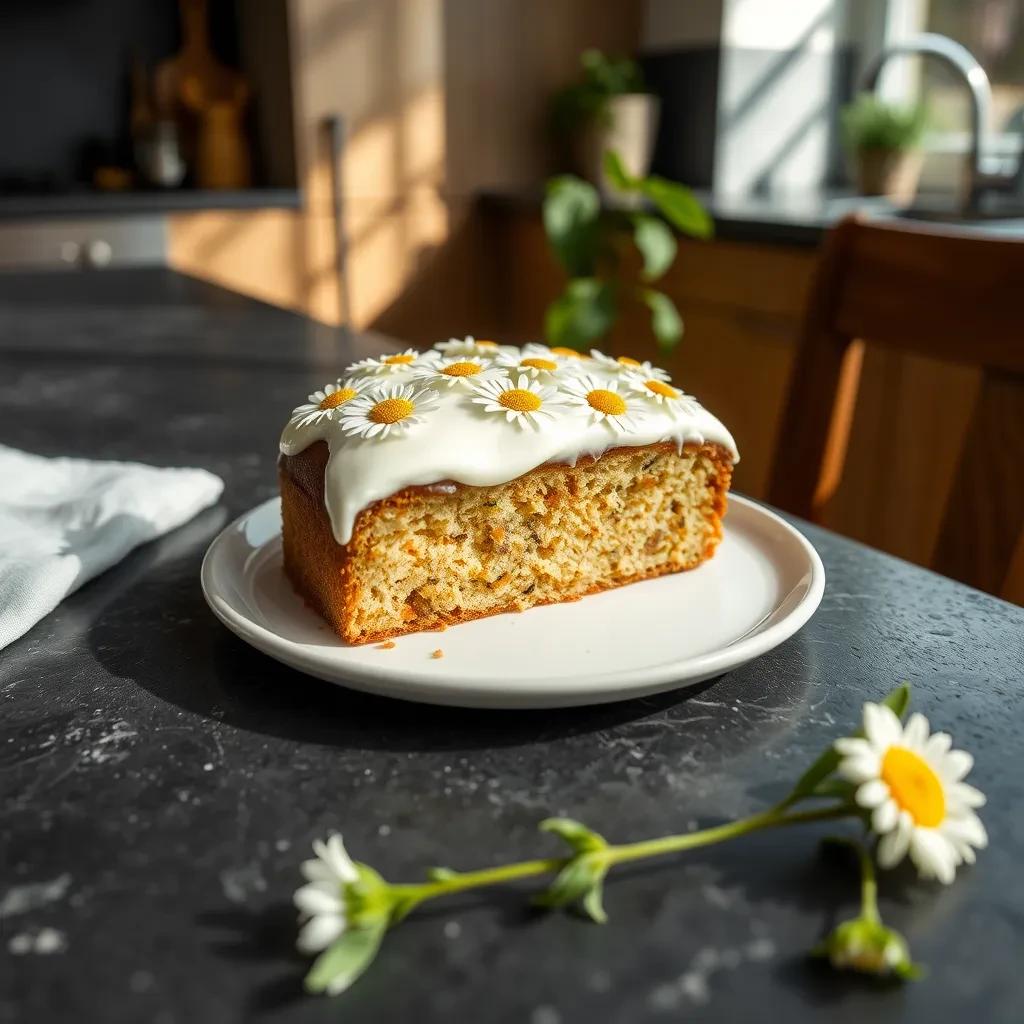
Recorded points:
608,108
883,140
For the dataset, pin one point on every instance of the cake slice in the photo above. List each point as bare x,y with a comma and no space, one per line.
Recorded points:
442,487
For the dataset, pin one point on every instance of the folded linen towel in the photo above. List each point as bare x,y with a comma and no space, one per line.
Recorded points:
63,521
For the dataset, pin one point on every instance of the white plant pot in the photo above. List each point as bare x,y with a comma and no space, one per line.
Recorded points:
630,129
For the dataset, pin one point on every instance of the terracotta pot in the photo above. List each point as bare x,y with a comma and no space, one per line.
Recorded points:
888,172
630,128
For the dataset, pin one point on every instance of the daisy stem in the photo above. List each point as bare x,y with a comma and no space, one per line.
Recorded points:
461,881
719,833
868,881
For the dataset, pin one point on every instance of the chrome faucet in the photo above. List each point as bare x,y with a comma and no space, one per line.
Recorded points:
962,61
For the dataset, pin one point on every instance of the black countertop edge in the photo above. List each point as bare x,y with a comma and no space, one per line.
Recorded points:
795,218
102,204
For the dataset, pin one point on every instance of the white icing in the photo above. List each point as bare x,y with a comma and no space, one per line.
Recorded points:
459,441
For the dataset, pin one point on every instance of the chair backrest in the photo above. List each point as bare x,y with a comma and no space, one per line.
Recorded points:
951,295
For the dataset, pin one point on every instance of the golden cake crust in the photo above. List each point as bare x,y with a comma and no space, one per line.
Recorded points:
325,573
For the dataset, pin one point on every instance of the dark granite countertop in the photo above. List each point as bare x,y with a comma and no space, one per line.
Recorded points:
160,781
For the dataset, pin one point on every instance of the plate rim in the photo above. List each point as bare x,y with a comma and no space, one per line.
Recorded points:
425,687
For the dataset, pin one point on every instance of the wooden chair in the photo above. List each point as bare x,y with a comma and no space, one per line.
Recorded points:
951,295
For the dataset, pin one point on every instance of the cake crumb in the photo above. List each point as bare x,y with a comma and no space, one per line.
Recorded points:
439,629
386,646
437,654
497,534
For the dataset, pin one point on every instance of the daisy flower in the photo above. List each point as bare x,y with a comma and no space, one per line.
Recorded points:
536,366
626,364
602,401
661,393
525,401
468,346
558,353
911,782
444,372
321,902
392,409
324,404
395,362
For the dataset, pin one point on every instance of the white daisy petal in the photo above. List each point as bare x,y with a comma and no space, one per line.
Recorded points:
859,769
881,726
965,795
872,794
968,828
933,855
892,848
853,746
915,733
955,765
885,817
318,933
312,899
938,744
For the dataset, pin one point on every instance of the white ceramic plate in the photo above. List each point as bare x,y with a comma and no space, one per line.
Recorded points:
763,584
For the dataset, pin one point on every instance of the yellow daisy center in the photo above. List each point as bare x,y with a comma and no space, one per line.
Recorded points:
539,364
627,361
607,402
914,786
391,410
519,400
486,344
399,360
340,397
660,388
465,369
568,353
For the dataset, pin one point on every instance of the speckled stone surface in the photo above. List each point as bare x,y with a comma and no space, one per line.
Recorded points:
160,781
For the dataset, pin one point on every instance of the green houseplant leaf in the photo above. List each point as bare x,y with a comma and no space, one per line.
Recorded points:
616,174
572,208
582,314
666,322
657,244
679,206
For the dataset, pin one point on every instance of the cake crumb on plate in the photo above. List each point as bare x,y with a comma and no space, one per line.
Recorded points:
386,646
437,654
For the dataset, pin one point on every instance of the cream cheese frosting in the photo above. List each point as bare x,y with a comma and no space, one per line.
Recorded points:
480,414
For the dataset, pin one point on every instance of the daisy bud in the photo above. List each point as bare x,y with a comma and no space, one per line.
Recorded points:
868,947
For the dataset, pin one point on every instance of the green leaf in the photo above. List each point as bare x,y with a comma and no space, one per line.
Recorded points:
828,761
665,319
575,881
441,874
582,314
616,174
572,208
899,699
593,903
679,206
576,834
338,966
657,244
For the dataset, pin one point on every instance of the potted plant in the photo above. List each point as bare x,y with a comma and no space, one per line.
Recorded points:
883,140
590,240
608,108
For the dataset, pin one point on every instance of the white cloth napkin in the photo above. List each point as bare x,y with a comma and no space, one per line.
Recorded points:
63,521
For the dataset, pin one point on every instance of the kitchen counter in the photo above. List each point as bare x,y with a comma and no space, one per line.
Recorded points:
797,219
160,781
93,203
